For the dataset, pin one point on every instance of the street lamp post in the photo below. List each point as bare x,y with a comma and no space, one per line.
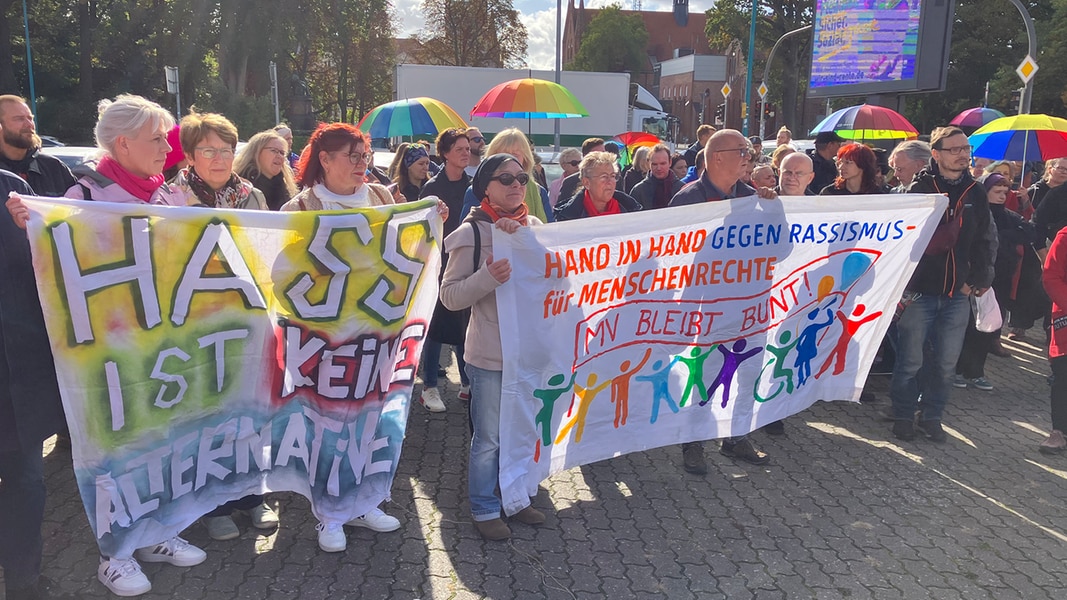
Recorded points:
29,60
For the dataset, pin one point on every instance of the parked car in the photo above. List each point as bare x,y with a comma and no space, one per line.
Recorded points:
72,156
48,141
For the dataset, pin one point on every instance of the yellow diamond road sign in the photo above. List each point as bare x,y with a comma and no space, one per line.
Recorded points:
1026,69
726,90
762,89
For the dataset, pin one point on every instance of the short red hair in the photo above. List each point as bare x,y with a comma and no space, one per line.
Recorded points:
329,137
864,158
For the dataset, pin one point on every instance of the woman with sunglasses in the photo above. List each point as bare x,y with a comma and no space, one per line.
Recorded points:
471,279
597,195
569,160
209,141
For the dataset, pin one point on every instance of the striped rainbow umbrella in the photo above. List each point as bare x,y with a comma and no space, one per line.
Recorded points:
973,118
529,99
414,116
867,122
1021,137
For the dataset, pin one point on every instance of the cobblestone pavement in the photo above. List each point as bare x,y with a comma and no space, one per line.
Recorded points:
842,511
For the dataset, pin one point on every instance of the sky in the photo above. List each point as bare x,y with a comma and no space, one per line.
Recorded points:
539,16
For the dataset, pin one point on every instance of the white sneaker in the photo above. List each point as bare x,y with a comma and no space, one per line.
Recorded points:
376,520
175,551
264,517
431,399
465,393
331,538
123,577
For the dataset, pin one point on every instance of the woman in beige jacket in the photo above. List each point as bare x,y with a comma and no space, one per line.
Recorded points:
470,281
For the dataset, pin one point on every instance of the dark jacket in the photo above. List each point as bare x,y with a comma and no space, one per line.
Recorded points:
1037,192
825,172
569,187
30,408
702,190
970,260
47,175
645,191
690,154
1051,215
575,207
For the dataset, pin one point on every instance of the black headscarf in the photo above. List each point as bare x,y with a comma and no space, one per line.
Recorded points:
485,172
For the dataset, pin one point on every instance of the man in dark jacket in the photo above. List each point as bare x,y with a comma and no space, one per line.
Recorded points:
20,150
703,133
958,262
30,409
727,151
827,143
660,185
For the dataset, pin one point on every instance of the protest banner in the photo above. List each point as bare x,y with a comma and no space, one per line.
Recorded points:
204,355
628,332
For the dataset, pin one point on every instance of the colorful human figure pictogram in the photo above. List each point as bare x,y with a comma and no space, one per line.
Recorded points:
849,327
779,369
620,388
808,344
731,360
585,399
660,380
695,364
548,398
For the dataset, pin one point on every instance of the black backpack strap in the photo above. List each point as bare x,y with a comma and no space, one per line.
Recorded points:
87,194
477,243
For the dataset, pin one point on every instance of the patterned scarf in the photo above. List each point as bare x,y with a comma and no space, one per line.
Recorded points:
230,195
486,212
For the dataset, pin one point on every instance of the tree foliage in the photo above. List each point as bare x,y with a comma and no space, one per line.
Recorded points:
729,20
335,56
472,33
613,42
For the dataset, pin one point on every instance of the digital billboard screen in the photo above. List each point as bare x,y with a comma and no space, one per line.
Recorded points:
876,46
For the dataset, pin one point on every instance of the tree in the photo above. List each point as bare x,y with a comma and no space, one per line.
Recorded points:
729,20
472,33
613,42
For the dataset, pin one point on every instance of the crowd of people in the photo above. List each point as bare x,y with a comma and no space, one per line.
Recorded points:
992,236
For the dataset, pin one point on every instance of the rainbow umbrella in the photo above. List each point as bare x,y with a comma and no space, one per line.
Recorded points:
973,118
410,117
1021,137
636,139
867,122
529,99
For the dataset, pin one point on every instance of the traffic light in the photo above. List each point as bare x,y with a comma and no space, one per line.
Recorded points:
720,113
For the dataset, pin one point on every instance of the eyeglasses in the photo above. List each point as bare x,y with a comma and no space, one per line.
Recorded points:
477,140
1060,170
955,151
797,174
606,177
506,179
742,152
210,153
573,163
276,151
356,157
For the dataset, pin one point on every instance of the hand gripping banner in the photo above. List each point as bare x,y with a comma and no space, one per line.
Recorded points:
204,355
628,332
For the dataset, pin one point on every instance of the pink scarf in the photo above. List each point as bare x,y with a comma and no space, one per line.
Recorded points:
138,187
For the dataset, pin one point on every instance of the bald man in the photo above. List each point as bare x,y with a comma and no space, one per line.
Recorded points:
797,173
725,155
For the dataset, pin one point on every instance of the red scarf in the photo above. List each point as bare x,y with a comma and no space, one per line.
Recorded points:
519,215
138,187
612,207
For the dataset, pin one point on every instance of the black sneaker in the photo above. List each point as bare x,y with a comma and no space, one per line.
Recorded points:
693,459
904,430
744,450
933,430
775,428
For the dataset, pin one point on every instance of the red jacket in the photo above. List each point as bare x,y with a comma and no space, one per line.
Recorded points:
1055,279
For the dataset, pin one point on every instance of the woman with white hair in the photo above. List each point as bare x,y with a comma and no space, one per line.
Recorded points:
569,160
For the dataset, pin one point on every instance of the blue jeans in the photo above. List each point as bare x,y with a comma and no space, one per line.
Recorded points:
431,361
22,495
483,469
941,321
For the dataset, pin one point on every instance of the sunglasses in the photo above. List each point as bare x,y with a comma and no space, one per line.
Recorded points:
477,140
573,163
506,179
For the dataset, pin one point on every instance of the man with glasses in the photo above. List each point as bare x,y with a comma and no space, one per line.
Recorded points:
726,153
797,173
477,143
660,185
957,263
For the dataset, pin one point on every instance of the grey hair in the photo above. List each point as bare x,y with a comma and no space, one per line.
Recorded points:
914,150
595,159
569,154
125,116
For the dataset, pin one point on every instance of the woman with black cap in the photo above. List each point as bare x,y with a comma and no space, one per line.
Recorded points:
470,281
